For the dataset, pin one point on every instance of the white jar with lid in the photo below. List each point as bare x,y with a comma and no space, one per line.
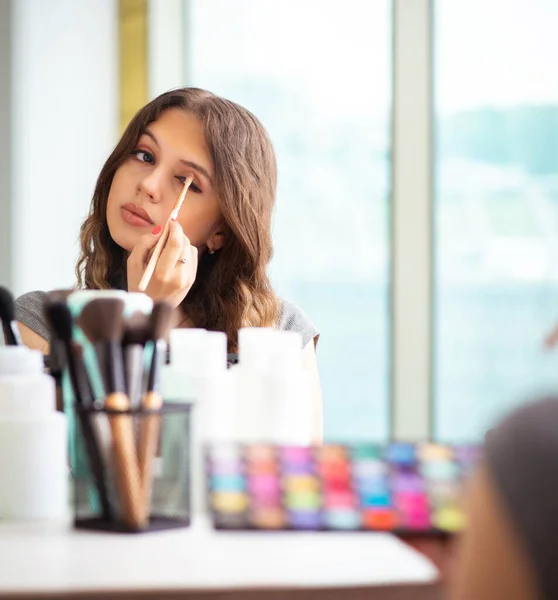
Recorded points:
34,476
273,390
198,372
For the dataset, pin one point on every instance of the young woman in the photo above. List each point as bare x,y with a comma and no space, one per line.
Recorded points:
214,264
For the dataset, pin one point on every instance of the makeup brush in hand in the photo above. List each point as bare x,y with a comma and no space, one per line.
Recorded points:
150,424
60,322
12,337
102,321
150,268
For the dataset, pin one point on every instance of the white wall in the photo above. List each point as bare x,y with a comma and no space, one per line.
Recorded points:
64,92
5,139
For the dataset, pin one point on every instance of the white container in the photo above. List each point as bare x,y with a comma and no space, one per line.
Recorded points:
273,390
34,477
25,390
34,468
254,345
198,372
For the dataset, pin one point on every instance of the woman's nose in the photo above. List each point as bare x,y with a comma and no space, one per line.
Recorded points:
152,185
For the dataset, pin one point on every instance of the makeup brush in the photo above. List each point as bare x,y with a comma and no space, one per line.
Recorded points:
148,273
55,362
102,321
12,337
56,365
61,324
136,331
150,424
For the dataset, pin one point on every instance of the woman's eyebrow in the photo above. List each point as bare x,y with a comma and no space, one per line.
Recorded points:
198,168
188,163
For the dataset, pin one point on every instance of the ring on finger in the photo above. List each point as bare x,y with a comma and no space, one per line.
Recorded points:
183,260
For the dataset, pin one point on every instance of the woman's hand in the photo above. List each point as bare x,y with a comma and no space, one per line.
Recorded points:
176,268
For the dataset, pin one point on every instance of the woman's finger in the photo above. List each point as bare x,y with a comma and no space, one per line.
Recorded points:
142,250
172,253
189,270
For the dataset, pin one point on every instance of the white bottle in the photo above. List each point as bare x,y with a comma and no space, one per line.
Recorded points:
274,394
252,422
34,476
198,372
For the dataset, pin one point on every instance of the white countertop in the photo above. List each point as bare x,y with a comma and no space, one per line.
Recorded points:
34,558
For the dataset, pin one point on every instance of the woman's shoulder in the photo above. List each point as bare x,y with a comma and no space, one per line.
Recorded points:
522,458
528,427
29,310
293,318
523,443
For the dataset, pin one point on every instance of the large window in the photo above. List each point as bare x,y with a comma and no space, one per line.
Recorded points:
441,325
319,77
496,211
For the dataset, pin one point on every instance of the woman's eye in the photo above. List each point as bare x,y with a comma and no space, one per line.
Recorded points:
193,186
144,156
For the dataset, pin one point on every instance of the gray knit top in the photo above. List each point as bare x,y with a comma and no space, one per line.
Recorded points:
29,311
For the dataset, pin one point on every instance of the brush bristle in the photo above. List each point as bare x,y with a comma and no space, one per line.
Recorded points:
6,305
59,295
60,320
136,330
102,319
161,321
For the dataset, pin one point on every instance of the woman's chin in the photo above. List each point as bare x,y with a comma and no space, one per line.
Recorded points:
126,241
125,237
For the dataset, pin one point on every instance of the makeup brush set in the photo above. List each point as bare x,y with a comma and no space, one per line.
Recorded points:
128,449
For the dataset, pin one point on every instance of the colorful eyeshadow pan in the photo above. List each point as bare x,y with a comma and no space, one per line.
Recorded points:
361,452
382,518
401,454
296,455
261,453
272,517
229,502
404,488
342,519
300,519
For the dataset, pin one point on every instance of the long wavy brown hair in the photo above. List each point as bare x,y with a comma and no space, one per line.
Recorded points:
232,289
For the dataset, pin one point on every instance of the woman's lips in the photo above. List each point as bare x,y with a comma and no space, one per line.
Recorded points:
135,215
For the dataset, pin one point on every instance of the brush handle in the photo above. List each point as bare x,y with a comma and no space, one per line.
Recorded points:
149,270
133,365
59,394
149,431
148,273
127,474
96,464
12,337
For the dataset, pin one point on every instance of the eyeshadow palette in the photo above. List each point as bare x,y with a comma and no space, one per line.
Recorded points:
404,488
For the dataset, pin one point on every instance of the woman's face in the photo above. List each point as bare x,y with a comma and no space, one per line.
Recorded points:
145,187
